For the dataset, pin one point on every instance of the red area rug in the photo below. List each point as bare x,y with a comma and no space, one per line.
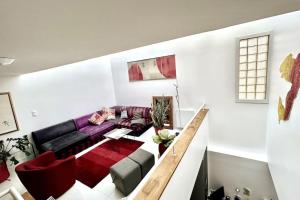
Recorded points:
93,166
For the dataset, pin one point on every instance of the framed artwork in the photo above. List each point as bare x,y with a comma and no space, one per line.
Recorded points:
8,121
152,69
290,71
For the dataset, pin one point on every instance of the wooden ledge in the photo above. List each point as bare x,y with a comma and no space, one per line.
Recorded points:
159,179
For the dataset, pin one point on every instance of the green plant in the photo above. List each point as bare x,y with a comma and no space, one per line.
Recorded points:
21,143
159,112
163,137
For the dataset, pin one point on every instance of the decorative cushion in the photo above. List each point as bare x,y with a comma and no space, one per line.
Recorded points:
111,114
97,119
124,114
138,121
137,115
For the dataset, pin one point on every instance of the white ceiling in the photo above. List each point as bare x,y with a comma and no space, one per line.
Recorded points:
45,34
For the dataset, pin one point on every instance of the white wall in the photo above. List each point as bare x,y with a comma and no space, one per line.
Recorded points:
205,72
283,141
58,94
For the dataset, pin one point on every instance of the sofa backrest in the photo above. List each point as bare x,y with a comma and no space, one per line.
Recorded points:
52,132
144,110
132,109
83,121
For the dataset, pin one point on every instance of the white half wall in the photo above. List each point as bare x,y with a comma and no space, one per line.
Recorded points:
283,140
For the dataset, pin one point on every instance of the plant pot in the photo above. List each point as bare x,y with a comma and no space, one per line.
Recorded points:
4,173
161,149
157,129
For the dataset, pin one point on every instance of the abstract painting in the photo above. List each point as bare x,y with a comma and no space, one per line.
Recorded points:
290,71
152,69
8,122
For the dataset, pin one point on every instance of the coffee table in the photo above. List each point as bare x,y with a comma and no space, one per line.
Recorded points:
117,133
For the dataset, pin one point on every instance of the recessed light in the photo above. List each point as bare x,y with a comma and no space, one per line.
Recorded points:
6,61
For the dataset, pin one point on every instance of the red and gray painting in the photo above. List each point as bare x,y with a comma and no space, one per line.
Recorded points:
152,69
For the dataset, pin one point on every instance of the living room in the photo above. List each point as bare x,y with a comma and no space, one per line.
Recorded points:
247,134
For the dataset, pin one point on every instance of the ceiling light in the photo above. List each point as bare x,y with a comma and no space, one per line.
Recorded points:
6,61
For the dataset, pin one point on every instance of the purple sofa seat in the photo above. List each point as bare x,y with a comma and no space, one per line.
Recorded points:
94,130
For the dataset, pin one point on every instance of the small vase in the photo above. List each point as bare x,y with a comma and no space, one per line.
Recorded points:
161,149
157,129
4,173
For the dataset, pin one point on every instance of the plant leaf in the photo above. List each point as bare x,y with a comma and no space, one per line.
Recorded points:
156,139
164,134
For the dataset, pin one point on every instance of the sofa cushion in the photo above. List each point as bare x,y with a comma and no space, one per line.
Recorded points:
124,123
140,121
144,110
82,121
64,141
92,130
47,134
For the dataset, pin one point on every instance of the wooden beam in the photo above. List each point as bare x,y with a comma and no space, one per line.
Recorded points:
159,179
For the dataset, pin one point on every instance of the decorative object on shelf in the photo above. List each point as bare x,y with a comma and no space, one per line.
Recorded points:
178,102
165,121
163,139
8,121
21,144
152,69
290,71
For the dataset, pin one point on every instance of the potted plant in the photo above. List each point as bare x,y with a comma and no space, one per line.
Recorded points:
159,114
21,144
163,139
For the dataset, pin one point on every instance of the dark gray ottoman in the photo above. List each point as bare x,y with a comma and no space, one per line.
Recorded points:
144,158
126,175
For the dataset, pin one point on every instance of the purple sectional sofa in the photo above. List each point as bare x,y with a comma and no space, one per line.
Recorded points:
65,141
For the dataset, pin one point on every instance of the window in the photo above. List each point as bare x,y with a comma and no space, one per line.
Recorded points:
252,69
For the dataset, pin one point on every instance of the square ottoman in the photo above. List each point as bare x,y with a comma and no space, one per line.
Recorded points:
144,158
126,175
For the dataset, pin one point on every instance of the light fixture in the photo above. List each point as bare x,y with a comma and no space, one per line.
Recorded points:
6,61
